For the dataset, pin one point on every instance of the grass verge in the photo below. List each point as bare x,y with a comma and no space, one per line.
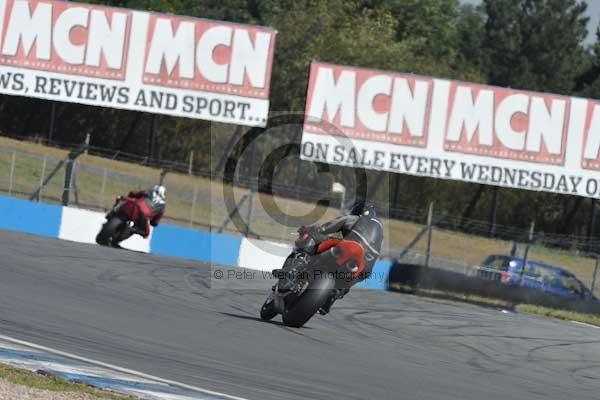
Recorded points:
54,384
483,301
591,319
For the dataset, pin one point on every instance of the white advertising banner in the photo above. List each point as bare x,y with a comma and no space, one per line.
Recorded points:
134,60
445,129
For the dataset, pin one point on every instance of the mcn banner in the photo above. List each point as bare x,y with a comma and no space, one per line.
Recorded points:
135,60
425,126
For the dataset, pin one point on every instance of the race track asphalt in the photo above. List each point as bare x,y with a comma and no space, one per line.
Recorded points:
165,317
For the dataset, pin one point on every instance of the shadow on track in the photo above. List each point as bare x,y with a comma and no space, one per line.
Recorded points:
247,317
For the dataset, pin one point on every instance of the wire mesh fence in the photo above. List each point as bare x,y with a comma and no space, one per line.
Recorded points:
238,207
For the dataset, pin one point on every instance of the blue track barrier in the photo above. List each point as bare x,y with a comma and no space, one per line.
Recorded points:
28,217
379,276
196,245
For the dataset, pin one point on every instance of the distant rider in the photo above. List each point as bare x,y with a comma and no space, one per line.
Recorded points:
152,206
360,225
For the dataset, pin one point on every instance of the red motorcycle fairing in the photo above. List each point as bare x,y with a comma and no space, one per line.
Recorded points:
133,208
348,254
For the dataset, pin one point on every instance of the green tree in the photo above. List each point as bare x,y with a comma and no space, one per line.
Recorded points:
535,44
588,84
470,24
399,35
335,31
431,21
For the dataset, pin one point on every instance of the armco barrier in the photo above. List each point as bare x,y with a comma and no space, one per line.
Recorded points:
80,225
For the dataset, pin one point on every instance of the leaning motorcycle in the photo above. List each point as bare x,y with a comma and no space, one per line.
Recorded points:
316,267
120,222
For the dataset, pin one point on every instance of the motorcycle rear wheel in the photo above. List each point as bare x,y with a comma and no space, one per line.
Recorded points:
309,303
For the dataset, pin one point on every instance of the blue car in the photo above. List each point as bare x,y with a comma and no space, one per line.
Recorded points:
551,279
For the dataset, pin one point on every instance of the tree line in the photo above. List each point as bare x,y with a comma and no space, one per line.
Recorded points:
523,44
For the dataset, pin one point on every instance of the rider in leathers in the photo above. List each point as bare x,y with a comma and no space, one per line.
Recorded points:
152,205
362,226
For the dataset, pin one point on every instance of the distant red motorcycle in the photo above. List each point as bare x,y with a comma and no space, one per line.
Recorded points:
120,222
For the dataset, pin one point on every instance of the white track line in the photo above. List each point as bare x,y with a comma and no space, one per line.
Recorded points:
119,369
584,324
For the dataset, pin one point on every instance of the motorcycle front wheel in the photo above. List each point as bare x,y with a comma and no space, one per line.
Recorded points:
267,311
108,230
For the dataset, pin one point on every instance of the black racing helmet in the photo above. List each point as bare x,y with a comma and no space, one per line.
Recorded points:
362,207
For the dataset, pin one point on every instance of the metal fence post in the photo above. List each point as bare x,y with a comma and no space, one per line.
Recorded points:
87,143
249,214
591,227
514,248
12,172
193,210
595,274
74,181
526,256
191,162
152,138
103,187
494,212
284,226
429,235
42,175
52,122
68,182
